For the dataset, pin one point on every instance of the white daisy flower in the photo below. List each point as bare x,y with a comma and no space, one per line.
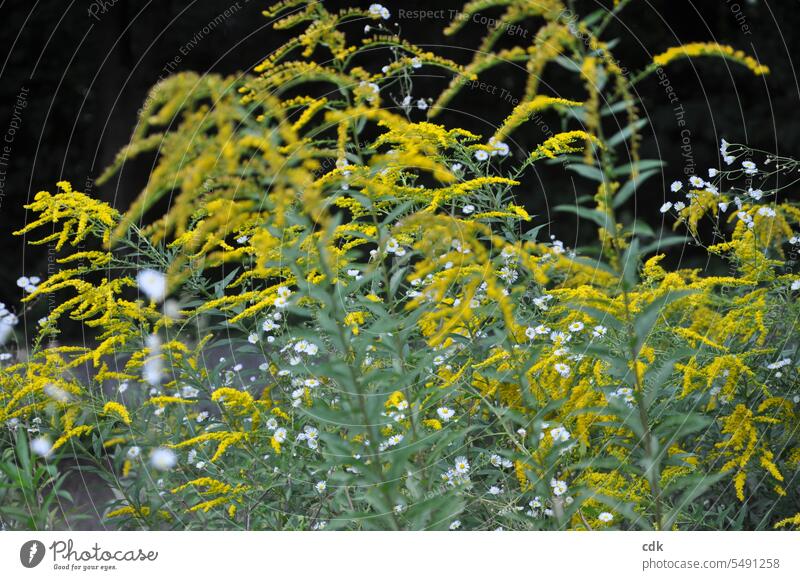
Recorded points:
163,459
481,155
562,369
41,446
445,413
749,167
605,517
559,486
559,434
462,465
153,284
676,186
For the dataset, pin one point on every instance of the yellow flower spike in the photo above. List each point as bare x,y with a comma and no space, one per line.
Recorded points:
118,409
564,143
74,432
697,49
526,109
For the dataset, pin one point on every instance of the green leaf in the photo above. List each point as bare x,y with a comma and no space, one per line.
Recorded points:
598,217
647,318
630,187
587,171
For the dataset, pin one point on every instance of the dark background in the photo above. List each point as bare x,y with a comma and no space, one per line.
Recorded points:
84,77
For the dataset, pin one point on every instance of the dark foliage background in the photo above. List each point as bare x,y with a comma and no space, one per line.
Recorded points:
75,72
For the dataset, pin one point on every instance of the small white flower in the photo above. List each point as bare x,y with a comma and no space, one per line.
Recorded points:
163,459
605,517
562,369
495,490
749,167
576,326
416,62
723,207
134,452
272,423
481,155
712,172
496,460
445,413
729,159
766,212
56,393
321,486
252,338
23,281
280,435
679,206
755,193
455,525
559,434
696,181
468,209
462,465
456,167
795,285
41,446
559,487
153,284
499,148
599,331
422,104
676,186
